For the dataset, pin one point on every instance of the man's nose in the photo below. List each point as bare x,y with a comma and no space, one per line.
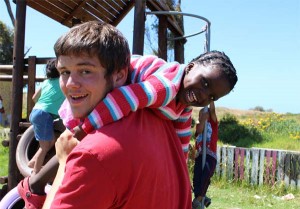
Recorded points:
73,81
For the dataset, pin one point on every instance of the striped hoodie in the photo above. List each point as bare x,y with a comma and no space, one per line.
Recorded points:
154,84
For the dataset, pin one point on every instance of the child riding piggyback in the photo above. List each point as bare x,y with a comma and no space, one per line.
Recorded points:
170,89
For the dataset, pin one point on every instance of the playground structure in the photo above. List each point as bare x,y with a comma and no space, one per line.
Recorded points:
73,12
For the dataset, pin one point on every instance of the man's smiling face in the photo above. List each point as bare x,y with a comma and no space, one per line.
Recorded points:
83,81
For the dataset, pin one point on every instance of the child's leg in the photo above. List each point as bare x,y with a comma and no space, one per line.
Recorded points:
42,122
45,146
33,159
201,178
197,176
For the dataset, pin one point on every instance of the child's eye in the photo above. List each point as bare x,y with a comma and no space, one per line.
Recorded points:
204,82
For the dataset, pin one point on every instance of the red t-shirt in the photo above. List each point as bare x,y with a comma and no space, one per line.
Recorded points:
132,163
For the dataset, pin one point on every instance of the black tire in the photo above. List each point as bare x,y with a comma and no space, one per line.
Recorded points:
28,146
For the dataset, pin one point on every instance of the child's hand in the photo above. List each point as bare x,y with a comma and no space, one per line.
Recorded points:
203,115
193,152
79,133
64,145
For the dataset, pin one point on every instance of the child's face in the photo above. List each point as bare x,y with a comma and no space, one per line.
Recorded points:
202,84
82,80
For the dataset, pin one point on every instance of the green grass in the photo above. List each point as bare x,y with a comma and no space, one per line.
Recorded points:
3,160
228,195
279,142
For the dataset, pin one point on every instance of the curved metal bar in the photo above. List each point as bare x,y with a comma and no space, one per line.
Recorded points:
207,29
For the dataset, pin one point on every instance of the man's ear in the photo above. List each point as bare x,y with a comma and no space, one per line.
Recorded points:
120,77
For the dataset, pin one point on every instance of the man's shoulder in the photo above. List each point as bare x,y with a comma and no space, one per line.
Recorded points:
128,130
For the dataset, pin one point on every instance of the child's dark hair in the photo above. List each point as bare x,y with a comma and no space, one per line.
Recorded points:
51,71
219,59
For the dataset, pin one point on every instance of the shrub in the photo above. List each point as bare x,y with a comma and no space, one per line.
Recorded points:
234,133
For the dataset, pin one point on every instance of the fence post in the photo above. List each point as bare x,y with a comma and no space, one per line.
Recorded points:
236,164
254,172
218,161
280,166
274,160
261,166
223,162
230,157
287,169
247,165
293,169
241,169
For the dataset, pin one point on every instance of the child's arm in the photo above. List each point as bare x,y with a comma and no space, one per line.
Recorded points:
203,116
212,111
37,95
183,129
157,84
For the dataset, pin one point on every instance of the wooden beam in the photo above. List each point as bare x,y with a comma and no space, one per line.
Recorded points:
139,27
8,69
17,91
179,50
9,78
31,83
123,13
162,37
172,23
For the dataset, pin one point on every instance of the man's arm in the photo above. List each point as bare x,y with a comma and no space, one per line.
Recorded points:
83,183
63,146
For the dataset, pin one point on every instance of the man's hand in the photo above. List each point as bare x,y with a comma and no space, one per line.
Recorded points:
64,145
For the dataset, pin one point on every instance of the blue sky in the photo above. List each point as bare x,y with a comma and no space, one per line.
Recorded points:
260,37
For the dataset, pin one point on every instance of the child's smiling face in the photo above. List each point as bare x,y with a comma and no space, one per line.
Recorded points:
202,84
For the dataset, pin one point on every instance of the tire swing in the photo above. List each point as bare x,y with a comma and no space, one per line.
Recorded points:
28,146
13,200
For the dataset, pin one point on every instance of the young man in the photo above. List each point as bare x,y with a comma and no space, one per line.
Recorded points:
136,162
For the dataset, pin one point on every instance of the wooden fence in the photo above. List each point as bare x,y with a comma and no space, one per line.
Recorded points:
259,166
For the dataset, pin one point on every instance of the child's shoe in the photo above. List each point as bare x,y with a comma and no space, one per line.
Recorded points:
196,204
207,201
32,201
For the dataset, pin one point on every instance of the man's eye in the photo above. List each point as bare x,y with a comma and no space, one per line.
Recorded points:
64,73
206,84
86,72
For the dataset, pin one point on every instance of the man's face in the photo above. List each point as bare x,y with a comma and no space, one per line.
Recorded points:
201,85
83,81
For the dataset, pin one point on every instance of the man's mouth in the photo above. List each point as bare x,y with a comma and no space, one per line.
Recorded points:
77,98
